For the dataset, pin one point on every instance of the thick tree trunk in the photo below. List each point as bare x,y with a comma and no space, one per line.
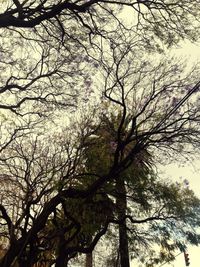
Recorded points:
88,260
62,258
121,209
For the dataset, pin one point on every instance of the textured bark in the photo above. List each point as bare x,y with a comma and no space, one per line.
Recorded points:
61,261
33,19
62,258
88,260
123,236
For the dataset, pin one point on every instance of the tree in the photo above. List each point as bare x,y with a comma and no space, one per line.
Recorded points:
99,158
84,24
119,87
145,193
147,123
29,173
172,16
51,61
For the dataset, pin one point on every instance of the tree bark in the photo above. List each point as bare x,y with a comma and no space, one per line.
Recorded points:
62,258
121,204
88,260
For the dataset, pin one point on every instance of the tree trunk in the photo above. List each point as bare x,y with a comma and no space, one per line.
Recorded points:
88,260
62,258
121,204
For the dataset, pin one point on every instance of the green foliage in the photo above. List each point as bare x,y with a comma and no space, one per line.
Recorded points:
163,213
98,156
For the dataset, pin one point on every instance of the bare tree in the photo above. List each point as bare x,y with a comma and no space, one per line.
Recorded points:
35,86
157,22
51,64
31,174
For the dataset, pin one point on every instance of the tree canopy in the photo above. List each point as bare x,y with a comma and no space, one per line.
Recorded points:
90,103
